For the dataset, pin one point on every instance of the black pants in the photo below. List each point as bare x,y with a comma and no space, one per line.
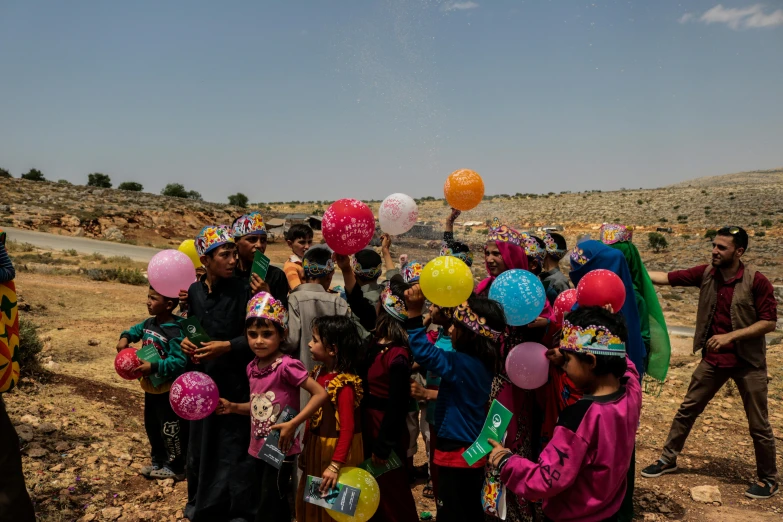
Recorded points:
167,433
15,505
459,494
274,486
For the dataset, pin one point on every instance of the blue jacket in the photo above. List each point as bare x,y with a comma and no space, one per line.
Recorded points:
464,387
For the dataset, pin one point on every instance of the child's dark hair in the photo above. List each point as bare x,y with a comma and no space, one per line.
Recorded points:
386,326
560,241
484,349
597,316
299,231
173,300
258,322
224,246
341,332
367,258
320,255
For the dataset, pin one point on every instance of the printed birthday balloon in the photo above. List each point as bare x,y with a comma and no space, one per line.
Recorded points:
126,363
369,498
446,281
170,271
464,189
194,395
601,287
397,214
527,366
348,226
564,303
188,247
521,295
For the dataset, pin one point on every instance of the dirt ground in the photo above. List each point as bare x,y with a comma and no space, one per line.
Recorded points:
84,441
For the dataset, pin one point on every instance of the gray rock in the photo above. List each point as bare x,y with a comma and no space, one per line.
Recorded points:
706,494
113,234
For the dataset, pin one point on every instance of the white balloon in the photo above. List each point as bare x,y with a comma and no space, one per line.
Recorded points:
398,214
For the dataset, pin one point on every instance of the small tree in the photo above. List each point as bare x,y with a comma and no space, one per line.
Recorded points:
711,233
5,174
64,182
99,180
657,241
131,186
174,190
192,194
34,175
238,200
766,222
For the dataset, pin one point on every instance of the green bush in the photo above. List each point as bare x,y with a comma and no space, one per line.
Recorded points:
682,217
639,202
131,186
5,174
34,175
238,200
15,246
766,222
177,190
96,179
70,252
657,241
30,344
126,276
759,233
64,182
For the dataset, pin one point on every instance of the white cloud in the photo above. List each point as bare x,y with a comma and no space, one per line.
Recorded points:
459,6
738,18
687,17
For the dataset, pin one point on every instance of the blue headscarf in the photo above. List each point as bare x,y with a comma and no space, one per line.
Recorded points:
591,255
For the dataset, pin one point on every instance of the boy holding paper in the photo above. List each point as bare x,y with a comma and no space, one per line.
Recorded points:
162,362
250,236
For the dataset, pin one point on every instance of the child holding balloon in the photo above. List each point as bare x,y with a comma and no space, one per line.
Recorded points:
167,433
334,435
275,380
581,473
466,378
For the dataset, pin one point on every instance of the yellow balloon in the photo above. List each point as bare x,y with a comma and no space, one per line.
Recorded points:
188,247
446,281
369,498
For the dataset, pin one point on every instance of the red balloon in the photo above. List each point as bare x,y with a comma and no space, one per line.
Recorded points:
126,362
564,303
348,226
600,288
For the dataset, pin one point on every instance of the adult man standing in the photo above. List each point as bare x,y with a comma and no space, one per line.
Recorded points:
736,309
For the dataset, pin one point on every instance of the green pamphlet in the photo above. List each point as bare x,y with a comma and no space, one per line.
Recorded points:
150,354
260,265
393,462
194,331
494,428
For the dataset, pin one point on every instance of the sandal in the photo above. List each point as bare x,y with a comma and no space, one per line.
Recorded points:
146,471
428,491
167,473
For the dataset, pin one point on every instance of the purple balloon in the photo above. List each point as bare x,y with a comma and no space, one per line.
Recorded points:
170,271
194,395
527,366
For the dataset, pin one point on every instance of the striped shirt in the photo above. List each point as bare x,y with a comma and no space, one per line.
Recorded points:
7,272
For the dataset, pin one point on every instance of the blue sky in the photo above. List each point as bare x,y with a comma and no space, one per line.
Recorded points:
325,99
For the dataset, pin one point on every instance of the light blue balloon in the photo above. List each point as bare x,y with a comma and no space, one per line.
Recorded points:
521,295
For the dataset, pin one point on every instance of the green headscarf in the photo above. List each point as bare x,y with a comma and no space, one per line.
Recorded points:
656,337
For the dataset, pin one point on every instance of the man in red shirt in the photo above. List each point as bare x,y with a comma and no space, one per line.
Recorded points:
736,309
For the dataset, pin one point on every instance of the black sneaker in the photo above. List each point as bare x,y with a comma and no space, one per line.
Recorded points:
763,489
658,469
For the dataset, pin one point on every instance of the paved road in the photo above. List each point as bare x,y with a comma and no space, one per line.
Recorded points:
106,248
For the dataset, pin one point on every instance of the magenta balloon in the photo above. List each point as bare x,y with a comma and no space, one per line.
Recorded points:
527,366
194,395
170,271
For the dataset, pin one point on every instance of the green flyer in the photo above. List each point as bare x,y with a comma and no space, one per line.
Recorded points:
260,264
150,354
494,428
194,331
393,462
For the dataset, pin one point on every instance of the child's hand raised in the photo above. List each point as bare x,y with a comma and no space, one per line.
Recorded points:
342,262
386,242
257,284
287,432
453,216
414,301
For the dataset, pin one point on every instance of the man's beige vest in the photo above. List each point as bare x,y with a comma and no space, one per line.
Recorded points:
743,314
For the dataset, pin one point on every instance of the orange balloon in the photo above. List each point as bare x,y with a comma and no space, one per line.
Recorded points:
464,189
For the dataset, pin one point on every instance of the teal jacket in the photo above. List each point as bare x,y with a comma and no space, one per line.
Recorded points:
166,338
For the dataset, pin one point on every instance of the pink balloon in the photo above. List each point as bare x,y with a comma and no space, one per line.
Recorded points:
194,395
348,226
601,287
527,366
170,271
126,362
564,303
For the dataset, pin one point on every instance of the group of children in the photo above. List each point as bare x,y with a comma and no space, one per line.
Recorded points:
331,372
